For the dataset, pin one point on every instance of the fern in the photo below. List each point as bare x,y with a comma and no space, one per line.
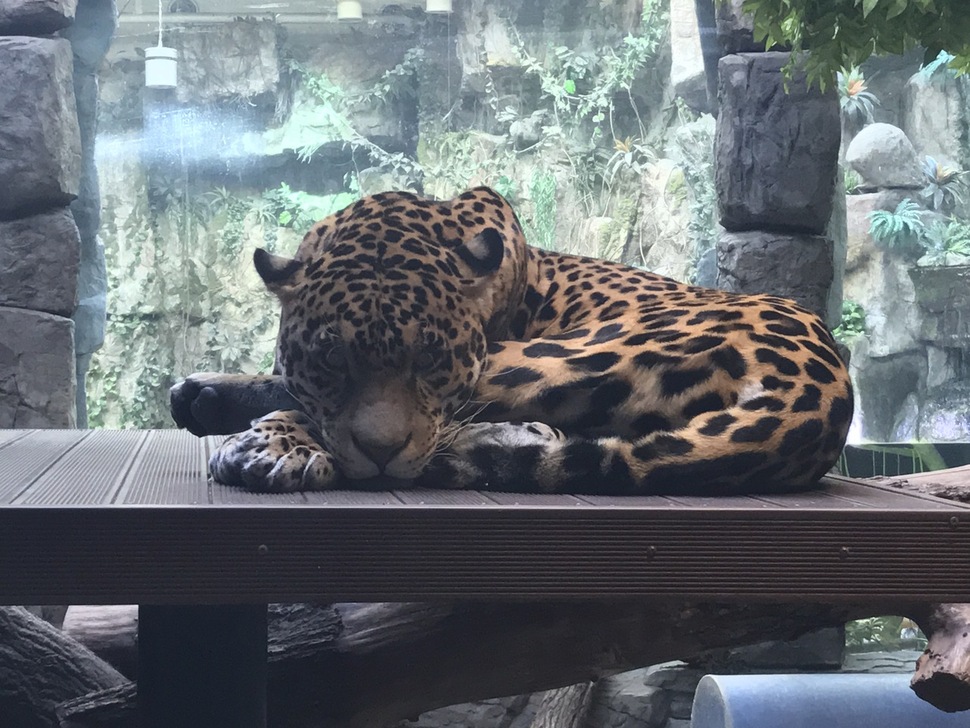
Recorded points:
901,228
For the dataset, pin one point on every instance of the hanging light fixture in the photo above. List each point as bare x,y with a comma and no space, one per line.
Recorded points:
438,7
348,11
161,63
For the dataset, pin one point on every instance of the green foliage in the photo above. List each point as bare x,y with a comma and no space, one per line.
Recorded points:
175,304
942,185
856,102
332,122
542,190
295,209
846,32
450,162
629,159
852,181
853,321
901,229
587,91
939,68
947,242
883,633
222,201
692,148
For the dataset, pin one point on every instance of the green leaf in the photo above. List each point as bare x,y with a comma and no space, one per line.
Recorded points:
569,86
867,7
897,8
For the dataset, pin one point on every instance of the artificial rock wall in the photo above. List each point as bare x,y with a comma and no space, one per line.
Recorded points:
777,151
46,163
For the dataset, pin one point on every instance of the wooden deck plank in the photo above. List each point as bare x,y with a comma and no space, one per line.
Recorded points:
72,536
91,473
733,502
536,499
8,436
351,498
635,501
172,469
425,497
32,456
830,495
398,553
877,495
951,476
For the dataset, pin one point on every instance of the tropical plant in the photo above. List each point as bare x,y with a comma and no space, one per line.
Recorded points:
901,229
847,32
692,149
942,183
939,68
853,181
947,242
882,633
856,102
542,190
629,158
853,321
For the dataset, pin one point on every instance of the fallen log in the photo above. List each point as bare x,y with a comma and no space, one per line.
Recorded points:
943,670
389,662
41,667
110,632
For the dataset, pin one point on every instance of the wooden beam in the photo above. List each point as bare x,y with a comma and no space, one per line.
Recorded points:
202,666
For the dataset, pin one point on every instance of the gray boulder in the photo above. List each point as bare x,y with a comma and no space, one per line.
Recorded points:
40,147
527,132
885,158
735,29
36,370
623,700
39,262
795,266
776,150
945,414
934,116
35,17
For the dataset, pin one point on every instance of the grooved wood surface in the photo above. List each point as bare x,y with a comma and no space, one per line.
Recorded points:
130,516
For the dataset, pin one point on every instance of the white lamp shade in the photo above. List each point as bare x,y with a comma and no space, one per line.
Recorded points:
161,67
438,7
349,10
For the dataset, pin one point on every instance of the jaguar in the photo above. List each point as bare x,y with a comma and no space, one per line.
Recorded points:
423,343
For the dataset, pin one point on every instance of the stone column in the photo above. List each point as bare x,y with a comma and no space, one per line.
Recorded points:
40,164
777,148
90,36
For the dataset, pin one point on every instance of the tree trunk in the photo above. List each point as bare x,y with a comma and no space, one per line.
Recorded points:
564,707
394,661
41,667
943,670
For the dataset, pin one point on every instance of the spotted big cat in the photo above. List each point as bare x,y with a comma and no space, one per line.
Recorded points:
425,342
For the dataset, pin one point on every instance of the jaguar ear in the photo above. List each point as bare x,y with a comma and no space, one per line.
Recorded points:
484,252
278,273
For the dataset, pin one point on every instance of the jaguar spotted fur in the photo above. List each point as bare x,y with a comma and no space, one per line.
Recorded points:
426,342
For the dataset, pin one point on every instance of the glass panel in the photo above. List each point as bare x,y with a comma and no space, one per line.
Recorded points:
590,117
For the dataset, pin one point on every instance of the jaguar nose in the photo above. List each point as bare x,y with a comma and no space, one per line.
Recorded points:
380,452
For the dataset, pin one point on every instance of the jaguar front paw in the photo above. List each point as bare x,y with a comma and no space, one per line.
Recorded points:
498,456
278,454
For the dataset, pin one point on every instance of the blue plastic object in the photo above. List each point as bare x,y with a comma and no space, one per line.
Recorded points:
815,701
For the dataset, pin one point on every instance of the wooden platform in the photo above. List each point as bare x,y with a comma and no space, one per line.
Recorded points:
130,517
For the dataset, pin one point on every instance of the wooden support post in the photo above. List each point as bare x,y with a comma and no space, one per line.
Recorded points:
202,666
